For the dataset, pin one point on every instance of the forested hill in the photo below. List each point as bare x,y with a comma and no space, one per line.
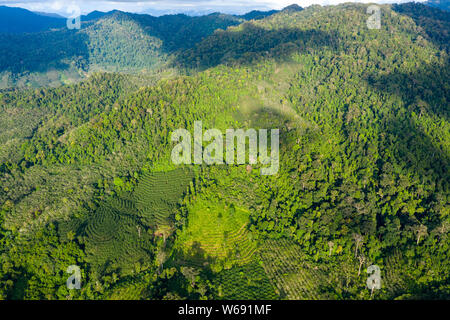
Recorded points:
112,41
433,21
86,177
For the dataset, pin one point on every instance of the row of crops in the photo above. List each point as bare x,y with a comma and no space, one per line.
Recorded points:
134,288
235,246
396,277
238,249
158,194
283,264
116,239
247,282
216,232
118,235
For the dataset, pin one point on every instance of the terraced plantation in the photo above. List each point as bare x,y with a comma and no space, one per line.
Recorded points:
282,261
245,282
234,245
396,277
131,289
158,194
217,232
115,238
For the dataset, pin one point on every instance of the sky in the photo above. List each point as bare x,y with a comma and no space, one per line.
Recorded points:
156,7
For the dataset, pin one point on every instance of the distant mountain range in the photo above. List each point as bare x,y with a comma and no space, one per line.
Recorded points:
18,20
117,41
49,14
109,41
441,4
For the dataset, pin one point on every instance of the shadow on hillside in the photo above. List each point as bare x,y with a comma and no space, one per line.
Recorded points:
41,52
431,20
179,31
417,151
195,257
407,143
249,44
424,92
434,290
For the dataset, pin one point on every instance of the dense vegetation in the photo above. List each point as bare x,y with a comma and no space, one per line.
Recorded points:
86,177
113,41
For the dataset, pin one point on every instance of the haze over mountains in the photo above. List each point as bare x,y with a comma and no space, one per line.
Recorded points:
441,4
18,20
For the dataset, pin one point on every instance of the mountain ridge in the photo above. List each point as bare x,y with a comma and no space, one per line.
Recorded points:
18,20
